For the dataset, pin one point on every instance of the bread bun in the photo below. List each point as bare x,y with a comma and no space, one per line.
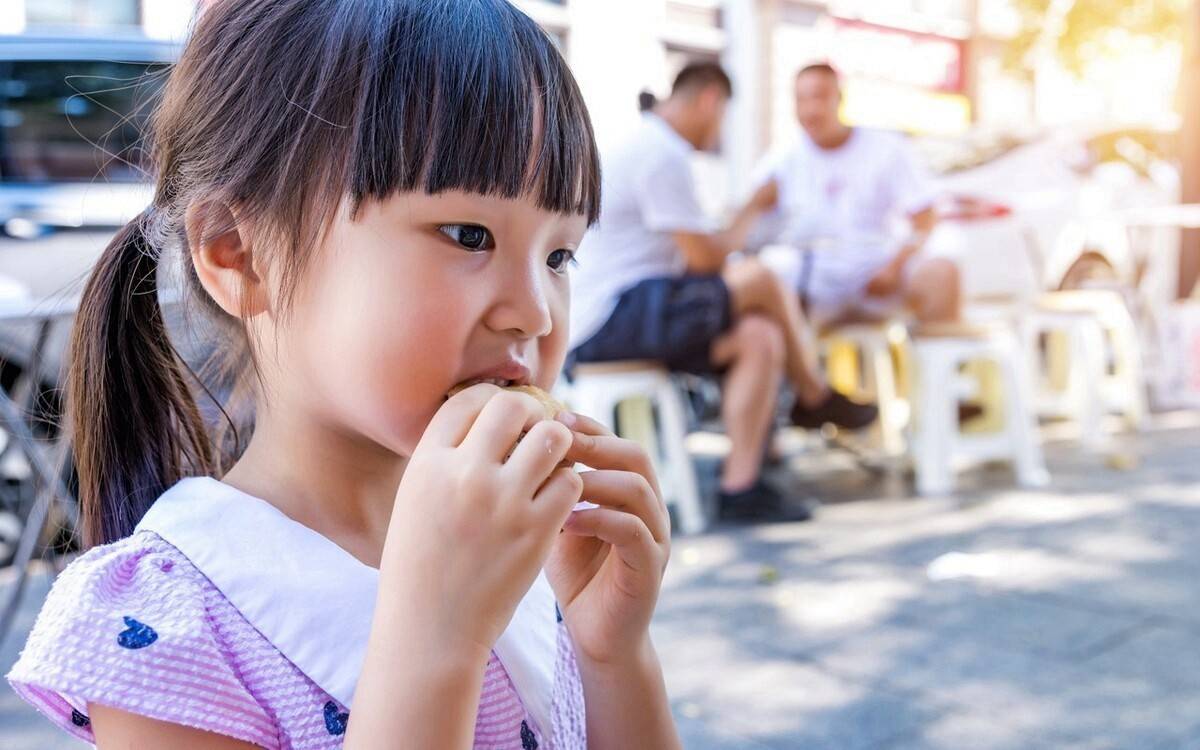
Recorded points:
550,405
551,408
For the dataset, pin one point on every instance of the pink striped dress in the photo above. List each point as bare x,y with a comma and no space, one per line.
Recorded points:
136,626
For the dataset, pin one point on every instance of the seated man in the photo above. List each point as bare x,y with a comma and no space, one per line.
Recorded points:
842,190
653,283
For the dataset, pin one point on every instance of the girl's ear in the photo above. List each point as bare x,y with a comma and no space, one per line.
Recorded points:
225,262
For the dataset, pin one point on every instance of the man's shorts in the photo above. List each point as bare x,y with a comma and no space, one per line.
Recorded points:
671,320
831,295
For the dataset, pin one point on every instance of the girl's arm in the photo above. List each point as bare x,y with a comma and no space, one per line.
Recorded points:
470,530
627,705
607,571
415,690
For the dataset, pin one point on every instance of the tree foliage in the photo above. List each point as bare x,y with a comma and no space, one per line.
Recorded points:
1081,30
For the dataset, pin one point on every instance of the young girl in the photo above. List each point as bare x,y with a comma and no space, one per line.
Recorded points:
374,202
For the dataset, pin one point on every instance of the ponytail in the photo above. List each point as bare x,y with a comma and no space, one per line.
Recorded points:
134,424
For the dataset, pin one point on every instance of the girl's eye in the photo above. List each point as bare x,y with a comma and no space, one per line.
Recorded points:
470,236
560,259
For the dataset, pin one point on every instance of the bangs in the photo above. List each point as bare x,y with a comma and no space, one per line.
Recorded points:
471,95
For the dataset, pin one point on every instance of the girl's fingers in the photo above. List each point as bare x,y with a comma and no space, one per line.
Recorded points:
582,423
453,421
629,537
505,416
630,492
605,451
539,453
559,494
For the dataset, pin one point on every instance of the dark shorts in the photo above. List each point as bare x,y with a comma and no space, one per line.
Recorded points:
671,320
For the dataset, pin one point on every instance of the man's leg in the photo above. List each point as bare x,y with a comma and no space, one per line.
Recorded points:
933,291
756,290
754,353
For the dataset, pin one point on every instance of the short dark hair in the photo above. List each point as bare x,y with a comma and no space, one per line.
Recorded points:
700,75
823,68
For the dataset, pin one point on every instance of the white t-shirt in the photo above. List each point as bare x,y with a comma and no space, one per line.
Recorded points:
849,204
648,193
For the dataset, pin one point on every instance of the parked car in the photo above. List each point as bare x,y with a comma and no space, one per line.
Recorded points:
72,113
73,109
1029,215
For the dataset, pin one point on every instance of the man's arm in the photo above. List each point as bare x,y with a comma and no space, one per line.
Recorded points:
888,279
922,224
706,253
911,188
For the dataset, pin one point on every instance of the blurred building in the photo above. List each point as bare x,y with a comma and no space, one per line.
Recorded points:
906,63
163,19
926,67
932,68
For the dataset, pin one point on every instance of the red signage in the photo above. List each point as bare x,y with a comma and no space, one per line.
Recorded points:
926,61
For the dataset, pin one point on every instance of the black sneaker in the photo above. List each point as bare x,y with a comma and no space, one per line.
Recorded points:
969,412
836,409
761,502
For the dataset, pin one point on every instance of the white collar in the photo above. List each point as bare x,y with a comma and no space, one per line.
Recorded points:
305,594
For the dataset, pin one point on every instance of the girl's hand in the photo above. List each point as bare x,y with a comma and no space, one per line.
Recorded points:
607,567
472,528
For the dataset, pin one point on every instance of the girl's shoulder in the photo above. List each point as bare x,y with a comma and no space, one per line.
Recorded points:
134,625
141,578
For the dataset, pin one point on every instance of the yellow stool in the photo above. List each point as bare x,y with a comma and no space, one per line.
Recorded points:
1092,364
871,361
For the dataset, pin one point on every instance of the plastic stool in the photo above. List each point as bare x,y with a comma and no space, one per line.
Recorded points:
939,446
1102,361
1068,378
859,360
597,390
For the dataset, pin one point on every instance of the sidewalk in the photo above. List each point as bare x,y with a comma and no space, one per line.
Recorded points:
1058,619
1003,619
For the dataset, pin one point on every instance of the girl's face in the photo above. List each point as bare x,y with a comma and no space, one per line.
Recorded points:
420,293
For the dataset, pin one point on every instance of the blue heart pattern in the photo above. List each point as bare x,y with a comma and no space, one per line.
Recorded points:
335,721
528,739
136,634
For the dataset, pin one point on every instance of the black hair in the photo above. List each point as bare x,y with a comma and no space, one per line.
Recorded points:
821,67
285,109
466,94
699,75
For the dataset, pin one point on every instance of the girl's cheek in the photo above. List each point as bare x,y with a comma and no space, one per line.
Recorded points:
552,348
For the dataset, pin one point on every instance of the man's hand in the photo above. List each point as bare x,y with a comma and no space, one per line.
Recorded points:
766,197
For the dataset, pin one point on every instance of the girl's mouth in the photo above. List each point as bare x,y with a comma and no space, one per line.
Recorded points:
501,382
508,373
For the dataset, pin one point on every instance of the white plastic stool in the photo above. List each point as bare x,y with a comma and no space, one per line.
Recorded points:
597,390
1087,367
873,344
939,446
1105,368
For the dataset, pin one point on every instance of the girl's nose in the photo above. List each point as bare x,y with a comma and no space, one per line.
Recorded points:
521,306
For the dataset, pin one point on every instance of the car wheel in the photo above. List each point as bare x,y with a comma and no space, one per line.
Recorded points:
1089,270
